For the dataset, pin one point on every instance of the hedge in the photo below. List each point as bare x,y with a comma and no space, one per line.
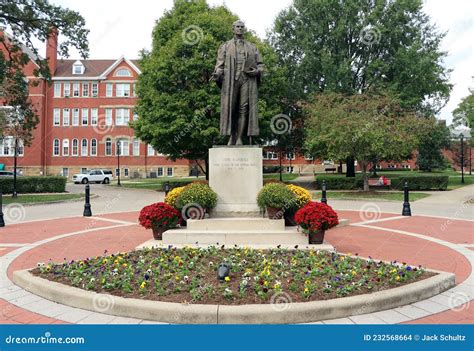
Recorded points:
25,185
339,182
420,182
415,182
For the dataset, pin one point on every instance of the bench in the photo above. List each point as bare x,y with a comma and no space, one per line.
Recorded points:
377,183
333,170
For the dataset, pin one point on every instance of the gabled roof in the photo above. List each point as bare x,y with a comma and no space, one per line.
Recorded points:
93,68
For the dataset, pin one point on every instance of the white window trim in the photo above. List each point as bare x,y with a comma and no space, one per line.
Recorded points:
57,117
58,142
57,94
96,146
75,154
86,114
86,148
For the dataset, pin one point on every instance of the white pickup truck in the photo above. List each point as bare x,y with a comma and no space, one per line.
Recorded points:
93,176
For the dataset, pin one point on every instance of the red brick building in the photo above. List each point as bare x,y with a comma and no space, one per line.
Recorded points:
84,121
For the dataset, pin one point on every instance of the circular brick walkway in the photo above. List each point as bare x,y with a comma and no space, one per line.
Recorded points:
434,242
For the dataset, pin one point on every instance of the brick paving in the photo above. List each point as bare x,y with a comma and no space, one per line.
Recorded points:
119,232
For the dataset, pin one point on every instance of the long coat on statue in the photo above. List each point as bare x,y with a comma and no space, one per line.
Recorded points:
225,72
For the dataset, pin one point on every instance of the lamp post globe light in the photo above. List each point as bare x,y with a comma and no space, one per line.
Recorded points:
463,133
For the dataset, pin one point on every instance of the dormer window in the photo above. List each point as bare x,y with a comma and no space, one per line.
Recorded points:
123,72
78,68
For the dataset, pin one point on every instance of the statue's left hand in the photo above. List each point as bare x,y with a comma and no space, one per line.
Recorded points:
252,72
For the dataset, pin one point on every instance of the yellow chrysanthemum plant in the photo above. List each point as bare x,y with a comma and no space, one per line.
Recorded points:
173,195
303,196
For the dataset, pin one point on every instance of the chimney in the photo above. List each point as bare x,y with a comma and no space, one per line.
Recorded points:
52,50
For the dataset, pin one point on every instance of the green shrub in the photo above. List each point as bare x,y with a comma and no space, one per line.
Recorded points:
275,195
25,185
197,193
423,182
339,182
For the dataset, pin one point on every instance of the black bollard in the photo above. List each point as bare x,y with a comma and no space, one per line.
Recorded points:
2,222
87,205
406,202
324,200
167,188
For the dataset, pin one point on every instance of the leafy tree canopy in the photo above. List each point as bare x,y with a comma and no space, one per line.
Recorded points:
368,126
179,107
463,115
350,46
22,21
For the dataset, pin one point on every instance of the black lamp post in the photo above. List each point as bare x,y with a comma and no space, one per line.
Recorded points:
462,158
118,162
167,188
15,154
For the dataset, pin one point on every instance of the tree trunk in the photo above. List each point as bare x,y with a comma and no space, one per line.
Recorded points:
365,175
350,167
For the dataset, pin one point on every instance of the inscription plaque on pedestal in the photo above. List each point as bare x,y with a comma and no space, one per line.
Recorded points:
236,175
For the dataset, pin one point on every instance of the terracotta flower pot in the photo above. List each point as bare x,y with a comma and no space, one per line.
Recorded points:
158,231
275,213
316,237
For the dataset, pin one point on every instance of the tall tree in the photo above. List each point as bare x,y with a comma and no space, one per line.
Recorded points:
350,46
367,126
433,139
23,21
463,115
178,106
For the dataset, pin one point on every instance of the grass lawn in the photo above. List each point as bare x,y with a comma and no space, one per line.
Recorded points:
371,195
455,182
154,183
287,177
37,199
157,183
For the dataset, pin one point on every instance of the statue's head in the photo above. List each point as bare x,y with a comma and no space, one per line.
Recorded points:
238,27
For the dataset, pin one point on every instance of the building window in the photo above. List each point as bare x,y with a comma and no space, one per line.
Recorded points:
66,117
290,155
75,117
308,157
85,89
65,172
83,170
85,116
93,147
65,147
95,90
160,171
78,68
122,116
94,116
56,147
117,172
57,117
108,147
75,147
125,172
135,116
124,147
136,147
150,150
7,147
289,169
123,72
84,147
109,89
108,116
271,156
134,90
122,90
169,172
75,90
67,89
57,90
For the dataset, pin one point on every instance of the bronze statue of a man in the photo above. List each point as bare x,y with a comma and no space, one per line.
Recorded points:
238,72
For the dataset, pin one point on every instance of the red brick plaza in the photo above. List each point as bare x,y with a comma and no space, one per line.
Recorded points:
433,242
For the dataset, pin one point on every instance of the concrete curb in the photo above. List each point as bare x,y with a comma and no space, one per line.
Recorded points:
168,312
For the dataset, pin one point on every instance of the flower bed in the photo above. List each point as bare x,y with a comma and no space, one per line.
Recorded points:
189,275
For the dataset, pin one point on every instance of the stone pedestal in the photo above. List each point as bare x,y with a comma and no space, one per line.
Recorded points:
236,175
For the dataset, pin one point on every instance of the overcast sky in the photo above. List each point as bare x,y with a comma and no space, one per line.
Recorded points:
119,27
